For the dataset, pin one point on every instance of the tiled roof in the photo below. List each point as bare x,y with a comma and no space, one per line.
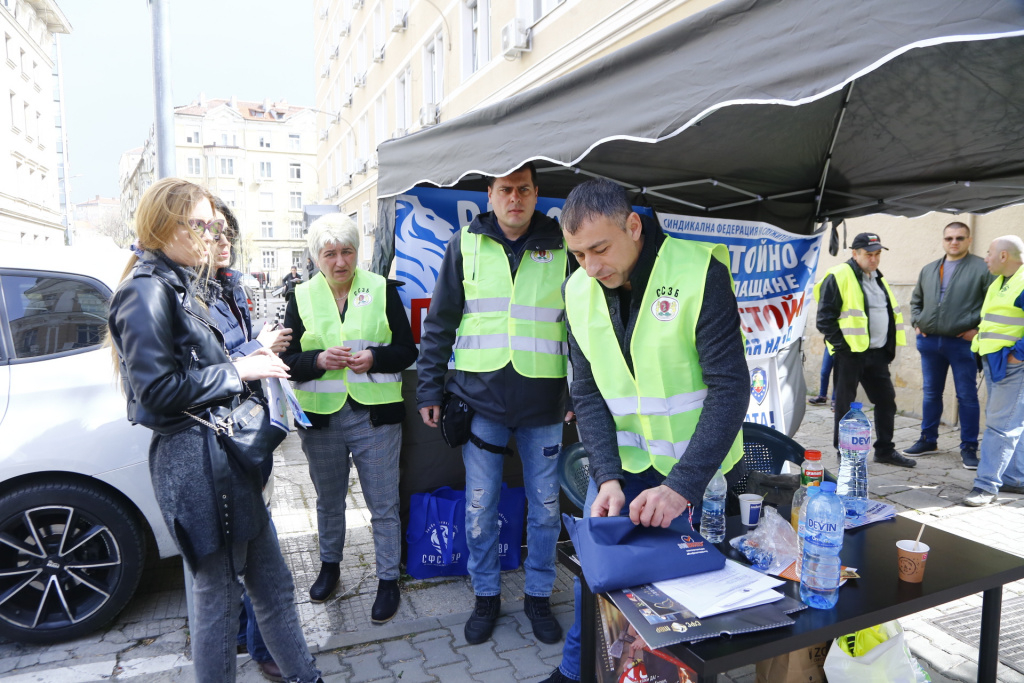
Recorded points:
253,111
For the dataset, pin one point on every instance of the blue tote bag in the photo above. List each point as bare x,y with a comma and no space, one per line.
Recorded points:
511,511
436,535
615,553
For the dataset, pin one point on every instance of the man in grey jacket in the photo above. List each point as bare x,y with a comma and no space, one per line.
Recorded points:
491,308
945,309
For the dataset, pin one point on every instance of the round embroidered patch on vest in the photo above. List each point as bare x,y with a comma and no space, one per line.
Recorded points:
542,256
665,308
363,298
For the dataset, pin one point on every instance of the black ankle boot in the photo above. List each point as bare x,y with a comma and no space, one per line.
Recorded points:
481,622
386,604
325,584
545,626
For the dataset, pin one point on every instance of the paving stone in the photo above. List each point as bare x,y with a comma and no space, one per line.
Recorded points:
366,666
330,663
482,657
438,652
410,672
398,650
506,675
450,672
506,635
430,635
526,661
920,499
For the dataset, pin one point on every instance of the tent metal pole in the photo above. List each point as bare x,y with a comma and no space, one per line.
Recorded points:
831,147
676,200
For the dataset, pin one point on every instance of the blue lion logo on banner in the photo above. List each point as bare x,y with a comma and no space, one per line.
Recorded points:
758,384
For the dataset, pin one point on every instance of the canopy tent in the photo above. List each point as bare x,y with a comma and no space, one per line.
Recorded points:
791,112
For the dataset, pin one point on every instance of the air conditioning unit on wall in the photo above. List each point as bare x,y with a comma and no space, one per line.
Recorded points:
515,38
429,114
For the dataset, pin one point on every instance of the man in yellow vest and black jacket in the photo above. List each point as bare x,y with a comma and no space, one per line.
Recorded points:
1000,342
497,302
660,382
863,325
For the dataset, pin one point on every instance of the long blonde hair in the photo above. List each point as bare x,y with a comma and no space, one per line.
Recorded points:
163,209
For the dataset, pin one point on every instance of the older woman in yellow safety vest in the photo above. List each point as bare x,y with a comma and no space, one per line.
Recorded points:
351,340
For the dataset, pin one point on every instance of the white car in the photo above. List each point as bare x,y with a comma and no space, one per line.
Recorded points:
77,510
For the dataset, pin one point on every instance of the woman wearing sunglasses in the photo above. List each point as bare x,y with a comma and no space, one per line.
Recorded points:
172,359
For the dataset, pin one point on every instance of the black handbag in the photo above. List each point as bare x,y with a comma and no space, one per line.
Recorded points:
244,431
456,418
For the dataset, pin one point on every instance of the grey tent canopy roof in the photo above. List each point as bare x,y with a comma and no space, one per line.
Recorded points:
788,111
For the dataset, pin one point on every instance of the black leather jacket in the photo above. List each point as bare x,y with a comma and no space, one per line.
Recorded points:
172,355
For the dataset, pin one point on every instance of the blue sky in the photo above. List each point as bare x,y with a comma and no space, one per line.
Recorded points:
249,48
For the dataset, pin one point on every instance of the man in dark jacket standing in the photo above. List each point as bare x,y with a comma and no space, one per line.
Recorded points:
863,325
290,281
945,309
497,302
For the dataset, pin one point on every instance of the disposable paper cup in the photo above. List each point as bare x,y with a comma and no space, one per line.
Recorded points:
750,508
911,562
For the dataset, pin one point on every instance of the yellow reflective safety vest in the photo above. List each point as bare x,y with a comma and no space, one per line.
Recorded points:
853,319
366,325
1002,323
657,406
521,321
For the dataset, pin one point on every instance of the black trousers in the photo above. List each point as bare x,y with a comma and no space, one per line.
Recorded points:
869,369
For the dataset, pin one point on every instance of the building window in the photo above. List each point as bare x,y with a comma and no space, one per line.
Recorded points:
265,168
194,167
227,166
363,127
403,102
266,201
267,230
433,68
297,259
476,21
192,136
296,230
295,201
228,196
265,141
542,7
269,260
294,171
380,119
294,143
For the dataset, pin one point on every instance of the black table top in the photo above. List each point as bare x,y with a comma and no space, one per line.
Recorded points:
957,567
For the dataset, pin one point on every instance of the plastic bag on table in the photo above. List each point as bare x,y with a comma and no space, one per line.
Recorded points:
874,655
771,547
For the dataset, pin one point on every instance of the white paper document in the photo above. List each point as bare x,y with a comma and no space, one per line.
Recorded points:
281,398
877,512
733,587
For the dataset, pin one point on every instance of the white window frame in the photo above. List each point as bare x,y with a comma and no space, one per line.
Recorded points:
192,136
476,36
267,230
295,230
266,169
269,259
380,119
294,171
227,166
403,100
433,70
294,205
294,142
194,166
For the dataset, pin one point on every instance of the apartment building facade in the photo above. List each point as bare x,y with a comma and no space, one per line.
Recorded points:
387,68
33,170
259,157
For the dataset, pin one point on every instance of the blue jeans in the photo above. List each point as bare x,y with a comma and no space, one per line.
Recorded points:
938,354
827,361
538,449
249,633
1002,449
217,593
632,486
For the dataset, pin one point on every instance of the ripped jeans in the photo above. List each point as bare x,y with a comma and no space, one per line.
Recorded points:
538,448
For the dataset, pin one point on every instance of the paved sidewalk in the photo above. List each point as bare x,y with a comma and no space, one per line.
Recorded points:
425,642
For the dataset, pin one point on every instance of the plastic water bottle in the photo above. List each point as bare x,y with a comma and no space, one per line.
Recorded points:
854,444
812,491
712,518
823,539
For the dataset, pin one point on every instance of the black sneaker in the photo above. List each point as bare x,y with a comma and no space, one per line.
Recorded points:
921,447
895,458
386,605
480,624
558,677
969,456
817,401
326,582
545,626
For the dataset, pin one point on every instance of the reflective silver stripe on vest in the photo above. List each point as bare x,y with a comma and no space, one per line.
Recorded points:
373,377
482,341
997,335
1003,319
852,313
621,406
322,386
540,346
673,405
544,315
656,447
492,304
854,331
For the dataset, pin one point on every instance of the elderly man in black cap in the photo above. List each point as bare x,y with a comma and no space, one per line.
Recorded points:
862,324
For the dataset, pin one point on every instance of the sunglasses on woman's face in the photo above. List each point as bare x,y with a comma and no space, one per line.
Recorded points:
217,227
